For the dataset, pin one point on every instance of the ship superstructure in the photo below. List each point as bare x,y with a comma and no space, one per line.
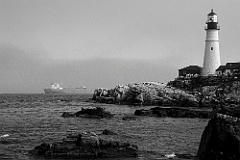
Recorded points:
56,88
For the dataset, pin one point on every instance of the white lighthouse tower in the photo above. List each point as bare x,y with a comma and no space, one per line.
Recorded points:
212,53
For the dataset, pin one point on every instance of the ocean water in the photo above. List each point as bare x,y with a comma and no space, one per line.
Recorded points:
27,120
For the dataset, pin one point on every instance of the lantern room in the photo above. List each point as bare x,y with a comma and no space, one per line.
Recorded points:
212,21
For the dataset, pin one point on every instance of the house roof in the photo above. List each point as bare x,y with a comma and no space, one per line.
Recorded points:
220,68
191,67
233,65
229,66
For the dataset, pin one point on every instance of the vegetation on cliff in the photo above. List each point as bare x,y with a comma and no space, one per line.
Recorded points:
211,91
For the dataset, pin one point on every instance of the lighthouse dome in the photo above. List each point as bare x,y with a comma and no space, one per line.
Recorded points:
212,13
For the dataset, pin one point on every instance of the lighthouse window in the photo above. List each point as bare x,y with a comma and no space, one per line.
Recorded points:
211,48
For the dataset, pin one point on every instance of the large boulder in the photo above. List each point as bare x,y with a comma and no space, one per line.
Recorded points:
221,137
96,112
86,145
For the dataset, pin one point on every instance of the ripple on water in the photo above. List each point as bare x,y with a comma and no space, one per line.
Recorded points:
32,119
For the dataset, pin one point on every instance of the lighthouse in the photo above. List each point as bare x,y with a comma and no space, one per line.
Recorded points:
212,52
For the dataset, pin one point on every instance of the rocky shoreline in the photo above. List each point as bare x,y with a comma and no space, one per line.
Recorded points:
202,92
214,98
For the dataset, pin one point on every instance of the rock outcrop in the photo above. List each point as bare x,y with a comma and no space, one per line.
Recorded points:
201,91
87,145
221,137
147,94
97,112
175,112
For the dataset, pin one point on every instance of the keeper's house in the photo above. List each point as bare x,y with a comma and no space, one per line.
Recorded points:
189,71
230,69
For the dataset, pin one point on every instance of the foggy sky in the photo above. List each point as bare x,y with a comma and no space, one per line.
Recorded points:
102,43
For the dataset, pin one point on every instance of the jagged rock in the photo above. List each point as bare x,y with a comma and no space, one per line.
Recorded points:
175,112
132,93
103,95
221,138
201,91
97,112
146,93
86,145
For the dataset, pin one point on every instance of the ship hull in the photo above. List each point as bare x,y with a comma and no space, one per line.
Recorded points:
63,91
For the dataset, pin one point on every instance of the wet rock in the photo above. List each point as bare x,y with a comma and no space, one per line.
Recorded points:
221,138
97,112
102,99
86,145
108,132
41,149
185,156
175,112
143,112
68,114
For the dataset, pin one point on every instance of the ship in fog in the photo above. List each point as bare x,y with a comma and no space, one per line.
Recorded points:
57,89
